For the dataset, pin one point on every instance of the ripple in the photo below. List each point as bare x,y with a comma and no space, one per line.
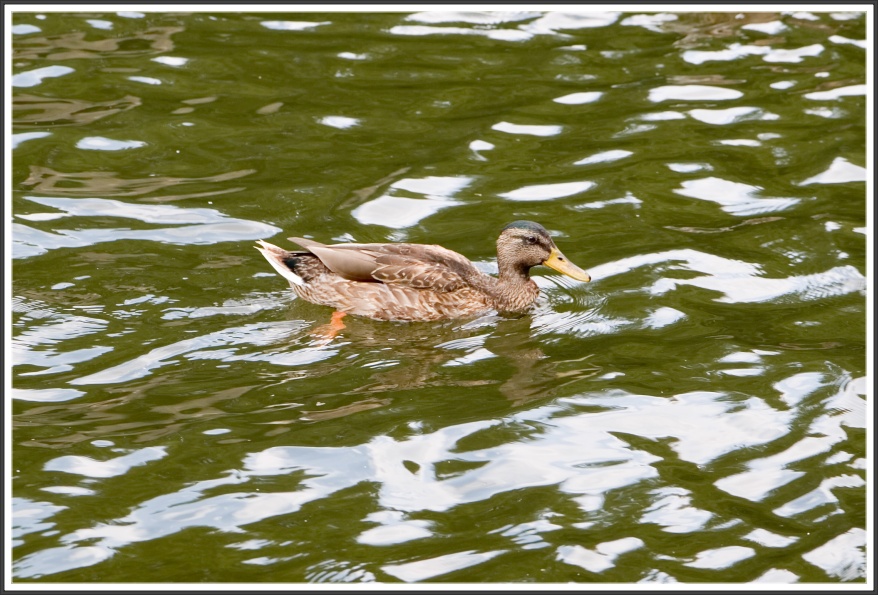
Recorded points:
585,455
733,52
841,171
579,98
51,112
43,329
432,567
60,559
252,334
662,116
338,571
692,93
473,17
353,56
730,115
555,22
688,416
769,28
247,305
723,557
497,34
394,529
605,157
793,56
602,558
32,78
480,145
74,45
391,210
822,496
292,25
739,142
547,191
398,212
101,207
100,24
533,129
100,143
434,186
582,324
769,539
688,168
737,289
844,40
652,22
734,197
46,395
825,112
69,490
50,181
340,122
733,426
24,29
843,557
628,199
21,137
88,467
30,516
685,259
147,80
175,61
210,226
769,54
528,535
672,509
663,317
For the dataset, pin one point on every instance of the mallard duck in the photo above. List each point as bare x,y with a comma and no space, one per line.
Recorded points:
419,281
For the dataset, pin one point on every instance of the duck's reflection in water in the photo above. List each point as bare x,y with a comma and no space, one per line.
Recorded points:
408,357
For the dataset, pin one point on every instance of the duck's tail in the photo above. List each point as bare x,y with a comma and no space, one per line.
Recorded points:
277,258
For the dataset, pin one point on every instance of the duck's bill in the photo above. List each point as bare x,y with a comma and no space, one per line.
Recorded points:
560,263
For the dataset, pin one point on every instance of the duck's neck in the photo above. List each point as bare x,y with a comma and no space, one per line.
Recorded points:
514,291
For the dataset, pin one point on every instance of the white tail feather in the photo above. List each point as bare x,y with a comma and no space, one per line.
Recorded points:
274,256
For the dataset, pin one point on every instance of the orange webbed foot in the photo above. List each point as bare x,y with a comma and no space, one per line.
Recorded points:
327,332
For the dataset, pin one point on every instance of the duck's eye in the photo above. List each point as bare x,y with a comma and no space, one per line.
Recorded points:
530,240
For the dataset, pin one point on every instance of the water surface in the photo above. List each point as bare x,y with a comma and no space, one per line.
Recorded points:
696,413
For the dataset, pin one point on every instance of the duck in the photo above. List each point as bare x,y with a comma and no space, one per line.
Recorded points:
419,282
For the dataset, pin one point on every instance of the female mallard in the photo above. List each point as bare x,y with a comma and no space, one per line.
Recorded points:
419,281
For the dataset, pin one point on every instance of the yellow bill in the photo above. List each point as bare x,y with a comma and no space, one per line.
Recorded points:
560,263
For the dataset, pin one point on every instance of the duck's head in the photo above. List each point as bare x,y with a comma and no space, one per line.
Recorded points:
525,244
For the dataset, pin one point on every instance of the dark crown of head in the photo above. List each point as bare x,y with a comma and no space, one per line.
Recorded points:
528,226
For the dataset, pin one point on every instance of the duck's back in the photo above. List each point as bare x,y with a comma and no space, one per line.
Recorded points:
384,281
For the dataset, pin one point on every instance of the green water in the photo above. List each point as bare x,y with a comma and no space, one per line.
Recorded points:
696,413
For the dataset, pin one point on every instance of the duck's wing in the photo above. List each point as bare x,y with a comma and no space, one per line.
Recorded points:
419,266
425,267
351,261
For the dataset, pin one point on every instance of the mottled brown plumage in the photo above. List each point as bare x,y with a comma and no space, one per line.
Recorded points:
419,281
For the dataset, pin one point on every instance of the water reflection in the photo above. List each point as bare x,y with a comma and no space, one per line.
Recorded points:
735,198
88,467
208,226
697,413
74,45
32,78
102,183
398,212
586,446
36,111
